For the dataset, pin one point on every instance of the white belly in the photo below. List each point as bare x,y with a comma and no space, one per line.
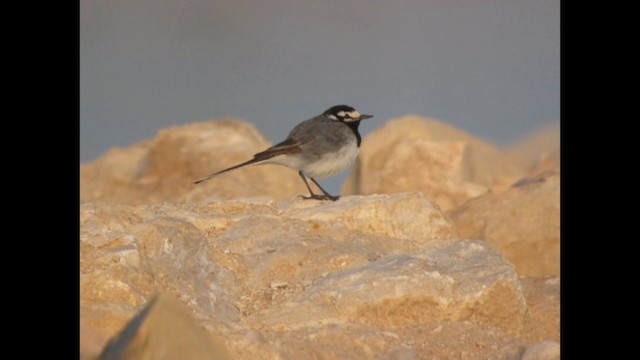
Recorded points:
333,163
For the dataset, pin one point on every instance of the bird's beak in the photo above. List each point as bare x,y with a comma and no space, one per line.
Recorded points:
363,117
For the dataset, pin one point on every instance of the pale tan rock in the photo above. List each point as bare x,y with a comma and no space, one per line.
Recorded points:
164,330
401,215
226,256
543,300
546,162
457,281
435,168
284,252
91,342
164,168
522,223
537,152
128,254
446,340
417,154
546,350
386,270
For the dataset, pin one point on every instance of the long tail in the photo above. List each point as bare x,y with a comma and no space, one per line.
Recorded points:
246,163
289,146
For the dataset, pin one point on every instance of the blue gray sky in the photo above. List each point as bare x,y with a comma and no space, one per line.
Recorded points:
489,67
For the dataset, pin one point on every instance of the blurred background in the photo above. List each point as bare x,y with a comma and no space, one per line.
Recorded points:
489,67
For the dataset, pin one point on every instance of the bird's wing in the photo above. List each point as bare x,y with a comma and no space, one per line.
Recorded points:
289,146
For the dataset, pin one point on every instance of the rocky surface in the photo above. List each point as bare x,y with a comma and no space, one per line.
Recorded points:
522,223
543,300
417,154
443,282
537,152
379,276
458,258
164,168
546,350
164,330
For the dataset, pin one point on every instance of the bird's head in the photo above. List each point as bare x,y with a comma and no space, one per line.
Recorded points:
345,114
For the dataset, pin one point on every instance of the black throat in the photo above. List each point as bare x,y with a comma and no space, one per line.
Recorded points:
353,125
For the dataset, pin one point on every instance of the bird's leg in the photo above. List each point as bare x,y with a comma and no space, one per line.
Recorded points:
315,196
326,194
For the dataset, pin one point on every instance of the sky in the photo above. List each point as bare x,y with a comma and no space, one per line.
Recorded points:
488,67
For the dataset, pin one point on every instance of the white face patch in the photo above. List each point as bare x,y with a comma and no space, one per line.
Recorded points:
332,117
349,115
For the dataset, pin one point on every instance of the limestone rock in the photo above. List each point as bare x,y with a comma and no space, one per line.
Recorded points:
227,256
522,223
546,350
417,154
538,152
546,162
164,168
543,300
444,282
91,342
401,215
366,277
164,330
128,254
444,340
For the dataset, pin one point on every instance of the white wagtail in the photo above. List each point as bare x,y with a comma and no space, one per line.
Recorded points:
322,146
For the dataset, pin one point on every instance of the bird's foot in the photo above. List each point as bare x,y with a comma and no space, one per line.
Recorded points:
322,197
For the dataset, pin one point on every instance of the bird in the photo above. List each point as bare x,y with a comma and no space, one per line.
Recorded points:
319,147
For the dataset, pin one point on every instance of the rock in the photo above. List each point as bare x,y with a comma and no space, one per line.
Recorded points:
457,281
546,350
128,254
545,163
164,168
522,223
91,342
538,152
378,276
417,154
164,330
543,300
447,340
401,215
225,256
